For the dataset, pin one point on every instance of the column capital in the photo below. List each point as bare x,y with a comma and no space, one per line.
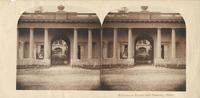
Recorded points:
75,29
173,29
115,28
45,28
89,29
129,29
31,28
159,28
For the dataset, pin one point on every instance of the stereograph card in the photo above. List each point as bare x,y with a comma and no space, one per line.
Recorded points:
112,49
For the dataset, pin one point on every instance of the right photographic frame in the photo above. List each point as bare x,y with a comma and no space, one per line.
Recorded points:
143,50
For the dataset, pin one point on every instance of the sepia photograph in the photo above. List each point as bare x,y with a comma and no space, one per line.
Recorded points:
99,49
67,48
144,50
55,48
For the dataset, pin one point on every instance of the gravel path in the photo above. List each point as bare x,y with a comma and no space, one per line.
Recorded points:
139,78
144,78
58,78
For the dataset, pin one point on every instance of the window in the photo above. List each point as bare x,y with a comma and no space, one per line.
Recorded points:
79,52
110,49
162,51
94,50
124,51
39,51
26,50
144,50
82,51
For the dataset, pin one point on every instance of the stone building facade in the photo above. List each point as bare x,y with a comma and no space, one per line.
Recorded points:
78,39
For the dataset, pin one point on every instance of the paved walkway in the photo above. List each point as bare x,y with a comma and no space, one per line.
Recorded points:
139,78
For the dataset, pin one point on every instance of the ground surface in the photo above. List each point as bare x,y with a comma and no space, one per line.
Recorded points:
139,78
58,78
144,78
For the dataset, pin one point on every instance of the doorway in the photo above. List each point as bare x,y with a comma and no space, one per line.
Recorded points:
60,51
144,49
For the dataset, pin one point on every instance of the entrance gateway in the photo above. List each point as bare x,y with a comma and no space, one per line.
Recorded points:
144,49
60,51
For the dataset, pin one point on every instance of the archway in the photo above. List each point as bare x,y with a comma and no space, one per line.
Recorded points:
144,49
60,50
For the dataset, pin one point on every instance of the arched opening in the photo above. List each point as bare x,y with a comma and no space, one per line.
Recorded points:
144,49
60,50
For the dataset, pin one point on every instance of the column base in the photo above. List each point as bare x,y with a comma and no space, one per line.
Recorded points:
110,62
175,62
31,63
87,63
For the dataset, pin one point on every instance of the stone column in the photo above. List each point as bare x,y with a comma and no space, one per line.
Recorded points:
115,43
105,54
31,42
158,43
89,43
75,46
130,48
133,46
46,43
18,45
21,51
173,43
